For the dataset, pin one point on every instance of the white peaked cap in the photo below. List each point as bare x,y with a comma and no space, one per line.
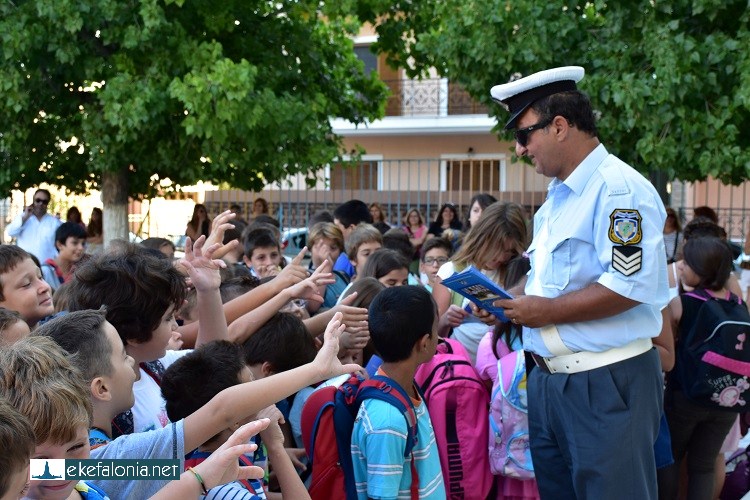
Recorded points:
518,95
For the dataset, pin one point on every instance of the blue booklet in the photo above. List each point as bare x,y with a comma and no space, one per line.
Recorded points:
479,289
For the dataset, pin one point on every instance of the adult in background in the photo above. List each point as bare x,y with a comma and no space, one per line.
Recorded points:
672,236
199,224
592,300
378,218
95,231
260,207
476,206
74,216
447,218
34,228
415,227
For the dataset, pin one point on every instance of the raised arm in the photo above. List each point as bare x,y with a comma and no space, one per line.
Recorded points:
240,401
247,324
204,274
221,467
290,275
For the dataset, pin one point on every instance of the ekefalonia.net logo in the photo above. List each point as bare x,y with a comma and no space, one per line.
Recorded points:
47,469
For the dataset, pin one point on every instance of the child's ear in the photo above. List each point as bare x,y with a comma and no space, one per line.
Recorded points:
247,261
100,390
266,369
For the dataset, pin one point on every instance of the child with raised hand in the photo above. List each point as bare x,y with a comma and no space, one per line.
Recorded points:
17,442
142,291
224,361
22,288
39,381
92,342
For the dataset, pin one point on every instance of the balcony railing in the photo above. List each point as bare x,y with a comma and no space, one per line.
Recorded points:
430,97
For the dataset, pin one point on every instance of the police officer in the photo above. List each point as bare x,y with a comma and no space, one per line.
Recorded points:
592,301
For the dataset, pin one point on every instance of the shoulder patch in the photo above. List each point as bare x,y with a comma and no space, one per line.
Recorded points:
625,227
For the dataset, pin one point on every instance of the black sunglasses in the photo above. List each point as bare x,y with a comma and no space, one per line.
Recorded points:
522,134
43,202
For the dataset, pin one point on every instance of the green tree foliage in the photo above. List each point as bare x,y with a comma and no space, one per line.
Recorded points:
233,91
670,79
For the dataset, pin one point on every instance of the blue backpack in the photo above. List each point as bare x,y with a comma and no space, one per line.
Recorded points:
327,423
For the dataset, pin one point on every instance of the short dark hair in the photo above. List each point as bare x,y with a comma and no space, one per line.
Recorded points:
382,261
267,219
155,243
437,242
352,212
137,287
706,211
10,257
221,359
17,441
319,216
283,341
710,259
573,105
397,239
703,227
69,230
40,190
80,334
398,318
260,238
236,286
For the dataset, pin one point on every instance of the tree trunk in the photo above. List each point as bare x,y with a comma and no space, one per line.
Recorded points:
115,200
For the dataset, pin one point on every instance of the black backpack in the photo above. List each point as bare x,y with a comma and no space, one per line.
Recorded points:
713,359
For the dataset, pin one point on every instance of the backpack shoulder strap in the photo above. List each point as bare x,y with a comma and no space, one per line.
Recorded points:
388,390
341,274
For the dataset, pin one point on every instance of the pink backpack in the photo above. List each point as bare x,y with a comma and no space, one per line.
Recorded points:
458,400
510,454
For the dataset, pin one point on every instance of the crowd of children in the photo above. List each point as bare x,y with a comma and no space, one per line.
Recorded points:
214,360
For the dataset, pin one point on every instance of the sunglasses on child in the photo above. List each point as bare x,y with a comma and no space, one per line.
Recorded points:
522,134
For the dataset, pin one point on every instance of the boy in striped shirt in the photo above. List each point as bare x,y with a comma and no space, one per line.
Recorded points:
403,326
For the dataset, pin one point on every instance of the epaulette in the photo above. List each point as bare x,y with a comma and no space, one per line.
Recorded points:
613,177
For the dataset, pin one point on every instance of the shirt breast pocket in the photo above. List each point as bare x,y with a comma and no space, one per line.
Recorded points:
557,273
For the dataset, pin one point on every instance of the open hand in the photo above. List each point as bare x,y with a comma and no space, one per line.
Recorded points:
327,361
202,268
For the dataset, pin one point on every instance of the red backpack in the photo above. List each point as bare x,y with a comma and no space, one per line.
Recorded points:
327,423
458,402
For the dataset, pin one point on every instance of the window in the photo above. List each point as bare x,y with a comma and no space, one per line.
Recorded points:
365,55
477,175
362,175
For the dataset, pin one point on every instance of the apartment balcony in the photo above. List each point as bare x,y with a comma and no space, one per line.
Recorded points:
429,98
432,106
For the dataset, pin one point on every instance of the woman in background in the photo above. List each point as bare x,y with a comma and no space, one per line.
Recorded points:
95,232
447,218
199,224
476,206
378,218
672,235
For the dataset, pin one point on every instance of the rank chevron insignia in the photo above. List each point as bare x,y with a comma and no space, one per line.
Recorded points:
627,259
